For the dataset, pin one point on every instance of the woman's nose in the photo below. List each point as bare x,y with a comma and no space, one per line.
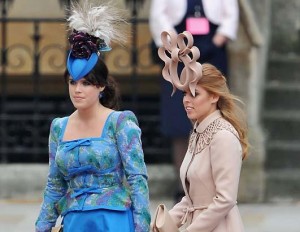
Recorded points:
78,87
186,98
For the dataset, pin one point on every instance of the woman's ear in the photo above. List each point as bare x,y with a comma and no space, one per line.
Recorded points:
214,98
101,88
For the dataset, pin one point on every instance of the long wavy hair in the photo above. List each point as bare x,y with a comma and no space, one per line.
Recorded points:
215,83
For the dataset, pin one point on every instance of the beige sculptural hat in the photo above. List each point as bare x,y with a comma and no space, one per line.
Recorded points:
179,48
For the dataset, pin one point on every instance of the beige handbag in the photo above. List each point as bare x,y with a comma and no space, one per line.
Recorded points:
163,221
57,229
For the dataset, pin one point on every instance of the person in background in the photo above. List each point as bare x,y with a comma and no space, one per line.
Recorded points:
212,23
97,177
211,168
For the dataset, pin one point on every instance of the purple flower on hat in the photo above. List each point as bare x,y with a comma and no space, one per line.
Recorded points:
83,44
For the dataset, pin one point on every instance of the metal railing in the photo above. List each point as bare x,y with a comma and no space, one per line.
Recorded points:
31,97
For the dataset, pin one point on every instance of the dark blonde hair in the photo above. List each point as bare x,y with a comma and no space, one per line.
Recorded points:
215,83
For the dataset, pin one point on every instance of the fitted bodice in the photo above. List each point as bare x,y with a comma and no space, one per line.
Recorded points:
89,173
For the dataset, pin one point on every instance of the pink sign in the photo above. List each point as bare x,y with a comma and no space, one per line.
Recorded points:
197,26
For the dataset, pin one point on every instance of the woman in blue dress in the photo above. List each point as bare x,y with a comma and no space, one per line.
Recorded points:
97,177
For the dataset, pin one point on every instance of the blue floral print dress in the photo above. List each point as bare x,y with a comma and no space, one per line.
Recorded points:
88,176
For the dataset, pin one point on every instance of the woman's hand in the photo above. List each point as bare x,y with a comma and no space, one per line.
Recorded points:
219,40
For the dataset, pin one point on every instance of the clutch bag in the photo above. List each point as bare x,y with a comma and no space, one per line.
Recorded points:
163,221
57,229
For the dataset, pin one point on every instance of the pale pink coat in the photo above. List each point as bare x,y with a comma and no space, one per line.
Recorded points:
210,176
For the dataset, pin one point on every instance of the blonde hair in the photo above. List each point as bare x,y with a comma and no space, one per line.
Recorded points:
215,83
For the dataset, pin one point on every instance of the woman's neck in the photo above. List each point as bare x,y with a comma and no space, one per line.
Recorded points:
205,116
90,113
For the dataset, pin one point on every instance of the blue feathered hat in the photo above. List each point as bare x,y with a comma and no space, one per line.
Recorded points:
93,28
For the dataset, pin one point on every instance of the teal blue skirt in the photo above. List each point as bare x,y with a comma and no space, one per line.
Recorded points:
102,220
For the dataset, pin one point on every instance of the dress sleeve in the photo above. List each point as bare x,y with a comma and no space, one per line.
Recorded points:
226,161
55,187
128,135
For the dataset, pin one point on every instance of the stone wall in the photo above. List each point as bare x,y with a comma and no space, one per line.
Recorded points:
27,181
248,57
280,114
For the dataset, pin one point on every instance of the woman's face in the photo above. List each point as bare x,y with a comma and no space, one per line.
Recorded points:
83,94
200,106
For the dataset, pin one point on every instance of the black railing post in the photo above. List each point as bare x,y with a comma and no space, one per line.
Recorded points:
134,4
134,58
3,153
36,86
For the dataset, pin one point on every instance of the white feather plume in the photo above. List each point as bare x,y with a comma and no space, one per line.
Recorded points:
102,20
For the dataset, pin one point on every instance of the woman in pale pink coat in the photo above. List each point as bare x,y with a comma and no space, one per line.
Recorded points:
211,168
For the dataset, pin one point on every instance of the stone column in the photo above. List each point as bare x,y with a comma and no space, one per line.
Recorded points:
247,62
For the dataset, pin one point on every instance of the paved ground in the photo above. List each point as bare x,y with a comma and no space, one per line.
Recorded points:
20,215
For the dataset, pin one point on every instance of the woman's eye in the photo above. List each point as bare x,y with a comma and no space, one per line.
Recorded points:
183,93
86,83
72,82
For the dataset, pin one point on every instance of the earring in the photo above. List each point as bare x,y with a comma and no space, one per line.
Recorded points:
101,95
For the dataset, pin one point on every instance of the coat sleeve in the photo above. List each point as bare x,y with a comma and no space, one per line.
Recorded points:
159,20
226,161
55,187
128,136
229,19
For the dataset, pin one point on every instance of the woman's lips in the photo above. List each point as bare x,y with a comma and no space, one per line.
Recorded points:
188,108
78,98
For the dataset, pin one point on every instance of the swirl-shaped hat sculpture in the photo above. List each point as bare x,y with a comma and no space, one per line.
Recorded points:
179,48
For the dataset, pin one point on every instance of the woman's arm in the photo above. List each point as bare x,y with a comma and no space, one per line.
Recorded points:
226,161
177,212
129,143
55,187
